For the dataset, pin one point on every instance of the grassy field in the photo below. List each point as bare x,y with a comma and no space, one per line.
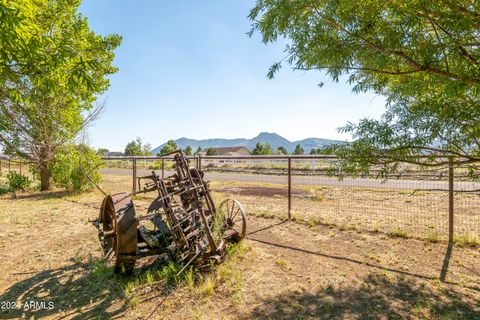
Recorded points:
291,270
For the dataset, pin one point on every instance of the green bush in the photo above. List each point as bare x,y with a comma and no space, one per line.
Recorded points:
73,166
17,181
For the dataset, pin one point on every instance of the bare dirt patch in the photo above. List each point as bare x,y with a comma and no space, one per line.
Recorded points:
259,191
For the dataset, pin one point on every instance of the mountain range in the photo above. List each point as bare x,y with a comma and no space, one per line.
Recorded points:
272,139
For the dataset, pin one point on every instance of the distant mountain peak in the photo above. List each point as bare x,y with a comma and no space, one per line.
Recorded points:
273,139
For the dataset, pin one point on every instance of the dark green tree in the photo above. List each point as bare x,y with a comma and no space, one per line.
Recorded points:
52,69
147,149
169,147
298,150
282,150
134,148
211,152
102,151
423,56
188,151
199,149
322,150
262,149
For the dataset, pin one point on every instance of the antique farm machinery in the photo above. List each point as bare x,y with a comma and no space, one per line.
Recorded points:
182,220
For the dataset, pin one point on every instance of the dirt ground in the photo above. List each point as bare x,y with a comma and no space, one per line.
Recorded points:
51,268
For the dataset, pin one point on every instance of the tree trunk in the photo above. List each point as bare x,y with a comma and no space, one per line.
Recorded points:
45,175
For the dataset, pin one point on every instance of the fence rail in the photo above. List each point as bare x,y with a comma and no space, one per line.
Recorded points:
417,202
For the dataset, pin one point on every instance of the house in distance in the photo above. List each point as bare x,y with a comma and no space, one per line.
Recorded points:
228,151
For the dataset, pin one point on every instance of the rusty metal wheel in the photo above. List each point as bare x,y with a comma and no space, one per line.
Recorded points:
235,218
119,231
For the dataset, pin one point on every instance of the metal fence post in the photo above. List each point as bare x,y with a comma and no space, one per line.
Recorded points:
289,188
134,169
450,199
199,163
163,168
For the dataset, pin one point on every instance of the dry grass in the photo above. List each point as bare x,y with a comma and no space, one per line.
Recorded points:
50,252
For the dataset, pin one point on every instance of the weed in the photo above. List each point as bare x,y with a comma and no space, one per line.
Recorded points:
129,288
239,248
398,232
266,215
149,278
419,307
190,278
169,272
222,273
80,255
467,240
314,196
133,302
281,263
295,217
432,236
100,269
3,190
312,221
208,287
236,299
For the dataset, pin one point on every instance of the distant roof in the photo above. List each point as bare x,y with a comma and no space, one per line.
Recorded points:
114,154
224,150
228,151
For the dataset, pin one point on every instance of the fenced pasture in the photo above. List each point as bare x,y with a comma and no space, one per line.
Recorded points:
304,269
417,202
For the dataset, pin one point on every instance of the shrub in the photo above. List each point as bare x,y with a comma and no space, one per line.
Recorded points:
17,181
73,166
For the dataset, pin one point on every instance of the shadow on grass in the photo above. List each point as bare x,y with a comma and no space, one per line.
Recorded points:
87,290
45,195
377,298
77,291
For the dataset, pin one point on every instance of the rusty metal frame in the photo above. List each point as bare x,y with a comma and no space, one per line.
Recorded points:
183,215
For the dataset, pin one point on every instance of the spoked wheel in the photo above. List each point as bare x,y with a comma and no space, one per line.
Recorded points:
119,231
235,220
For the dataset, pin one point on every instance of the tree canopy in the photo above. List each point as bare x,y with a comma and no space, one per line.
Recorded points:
262,149
52,69
282,150
102,151
211,152
298,150
188,151
423,56
137,148
169,147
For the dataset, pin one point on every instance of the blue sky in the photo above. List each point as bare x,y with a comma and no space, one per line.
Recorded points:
187,69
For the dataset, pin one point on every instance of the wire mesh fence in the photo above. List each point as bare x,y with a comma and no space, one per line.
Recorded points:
261,185
8,164
413,203
400,206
